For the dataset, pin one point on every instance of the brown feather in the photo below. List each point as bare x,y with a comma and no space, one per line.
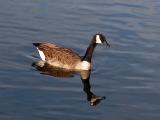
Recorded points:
59,56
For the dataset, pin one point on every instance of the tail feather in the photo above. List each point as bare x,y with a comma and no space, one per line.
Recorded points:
41,53
36,44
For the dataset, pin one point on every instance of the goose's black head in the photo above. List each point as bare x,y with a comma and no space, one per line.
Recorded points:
100,39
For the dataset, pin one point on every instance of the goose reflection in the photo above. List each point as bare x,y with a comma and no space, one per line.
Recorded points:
47,69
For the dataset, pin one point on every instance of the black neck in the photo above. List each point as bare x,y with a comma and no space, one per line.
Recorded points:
87,87
88,55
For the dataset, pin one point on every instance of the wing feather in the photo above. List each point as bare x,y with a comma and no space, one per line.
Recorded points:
57,54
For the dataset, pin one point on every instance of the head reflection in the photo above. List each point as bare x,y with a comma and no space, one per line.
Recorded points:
85,77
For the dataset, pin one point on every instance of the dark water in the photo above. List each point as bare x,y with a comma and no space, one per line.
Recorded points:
127,74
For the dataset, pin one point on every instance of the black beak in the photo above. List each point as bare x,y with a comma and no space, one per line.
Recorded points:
107,44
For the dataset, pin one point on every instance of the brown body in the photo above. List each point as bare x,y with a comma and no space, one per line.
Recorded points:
59,56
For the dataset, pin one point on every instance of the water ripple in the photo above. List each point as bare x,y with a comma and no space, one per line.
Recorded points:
127,73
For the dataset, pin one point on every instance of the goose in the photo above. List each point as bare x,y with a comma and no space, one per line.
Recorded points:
66,58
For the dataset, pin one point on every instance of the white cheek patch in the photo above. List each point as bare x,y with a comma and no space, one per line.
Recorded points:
98,40
41,54
85,65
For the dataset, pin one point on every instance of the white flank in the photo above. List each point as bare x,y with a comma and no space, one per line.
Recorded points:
85,65
41,54
98,40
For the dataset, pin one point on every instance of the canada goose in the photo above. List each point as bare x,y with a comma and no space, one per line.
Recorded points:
66,58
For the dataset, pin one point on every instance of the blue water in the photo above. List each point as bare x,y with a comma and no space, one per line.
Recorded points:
127,73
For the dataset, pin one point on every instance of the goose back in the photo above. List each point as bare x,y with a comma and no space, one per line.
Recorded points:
58,56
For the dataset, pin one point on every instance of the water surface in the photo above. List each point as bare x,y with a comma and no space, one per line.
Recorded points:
127,73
